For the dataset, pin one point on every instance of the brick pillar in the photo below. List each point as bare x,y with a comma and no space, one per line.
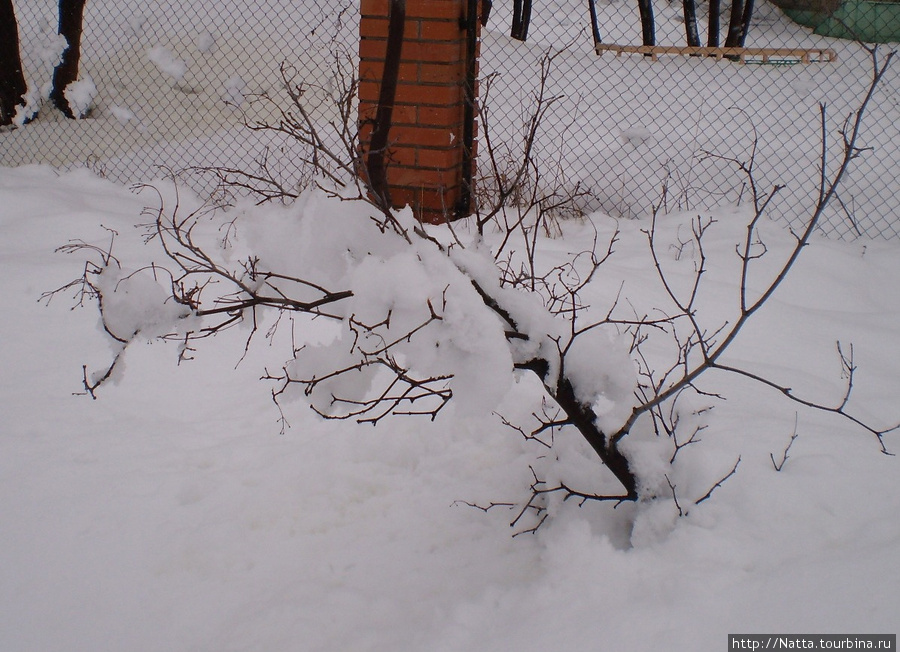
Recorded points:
416,124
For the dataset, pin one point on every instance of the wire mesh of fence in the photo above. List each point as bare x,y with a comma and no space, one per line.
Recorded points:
666,125
176,83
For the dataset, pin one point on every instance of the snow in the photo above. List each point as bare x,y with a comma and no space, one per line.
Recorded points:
26,111
125,115
137,303
170,514
80,95
235,91
205,42
600,368
168,63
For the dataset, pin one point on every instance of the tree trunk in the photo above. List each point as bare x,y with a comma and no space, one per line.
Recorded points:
521,19
71,15
733,38
745,21
12,79
692,33
595,27
715,9
648,26
585,420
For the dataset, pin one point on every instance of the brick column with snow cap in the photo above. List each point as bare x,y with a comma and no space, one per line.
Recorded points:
417,70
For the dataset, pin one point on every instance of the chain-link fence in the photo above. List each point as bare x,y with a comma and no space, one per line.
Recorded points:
628,125
175,82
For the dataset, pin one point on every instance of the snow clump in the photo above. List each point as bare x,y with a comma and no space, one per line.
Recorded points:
234,92
80,96
205,42
603,375
135,303
31,104
167,63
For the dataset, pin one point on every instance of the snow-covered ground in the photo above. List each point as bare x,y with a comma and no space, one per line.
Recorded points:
171,515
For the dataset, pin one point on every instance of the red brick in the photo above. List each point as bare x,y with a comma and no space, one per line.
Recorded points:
413,93
401,114
441,73
424,157
439,158
405,197
416,177
447,52
365,132
441,30
369,90
372,48
374,7
441,115
433,205
448,159
404,114
425,136
402,156
435,95
372,27
440,9
367,109
409,72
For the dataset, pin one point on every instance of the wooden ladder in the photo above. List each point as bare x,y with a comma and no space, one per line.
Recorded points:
774,56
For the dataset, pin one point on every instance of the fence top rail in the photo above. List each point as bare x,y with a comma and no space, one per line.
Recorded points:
801,55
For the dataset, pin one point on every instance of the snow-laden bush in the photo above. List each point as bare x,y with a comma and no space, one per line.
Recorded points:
420,316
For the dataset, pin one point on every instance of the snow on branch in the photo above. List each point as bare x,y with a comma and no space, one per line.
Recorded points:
427,316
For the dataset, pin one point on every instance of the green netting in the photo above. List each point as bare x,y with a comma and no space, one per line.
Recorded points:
859,20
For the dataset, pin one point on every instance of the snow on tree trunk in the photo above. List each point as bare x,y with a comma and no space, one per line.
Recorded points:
745,22
71,14
735,22
12,79
692,34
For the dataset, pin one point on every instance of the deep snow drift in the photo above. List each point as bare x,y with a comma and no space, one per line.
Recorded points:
170,514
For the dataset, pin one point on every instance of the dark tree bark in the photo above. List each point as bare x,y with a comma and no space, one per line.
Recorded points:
595,27
733,38
692,33
71,15
715,10
648,25
521,19
12,79
745,22
585,420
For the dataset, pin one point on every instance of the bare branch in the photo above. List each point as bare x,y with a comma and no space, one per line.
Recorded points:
719,483
784,455
681,512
